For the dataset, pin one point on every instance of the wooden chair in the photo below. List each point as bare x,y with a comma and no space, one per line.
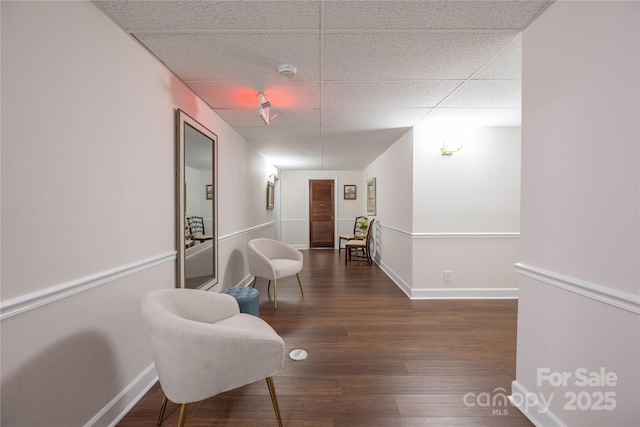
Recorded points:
360,250
347,237
196,225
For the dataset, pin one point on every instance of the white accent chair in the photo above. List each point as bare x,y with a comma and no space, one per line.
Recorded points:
202,346
273,260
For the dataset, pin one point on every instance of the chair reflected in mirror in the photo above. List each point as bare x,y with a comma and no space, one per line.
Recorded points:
196,225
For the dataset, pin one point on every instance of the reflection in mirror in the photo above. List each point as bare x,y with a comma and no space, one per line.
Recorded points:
196,200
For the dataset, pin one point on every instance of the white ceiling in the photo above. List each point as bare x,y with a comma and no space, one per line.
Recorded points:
367,70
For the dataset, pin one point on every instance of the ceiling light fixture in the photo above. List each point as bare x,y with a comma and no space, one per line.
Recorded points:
264,103
287,70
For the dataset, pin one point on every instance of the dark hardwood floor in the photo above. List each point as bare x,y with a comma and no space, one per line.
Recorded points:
376,358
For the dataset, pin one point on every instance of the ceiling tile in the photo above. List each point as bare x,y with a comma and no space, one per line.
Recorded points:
228,57
396,94
269,138
408,56
411,14
343,150
374,118
487,94
288,118
284,95
507,64
475,116
192,16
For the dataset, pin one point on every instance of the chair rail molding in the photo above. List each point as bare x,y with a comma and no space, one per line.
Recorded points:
474,235
451,235
610,296
23,303
244,231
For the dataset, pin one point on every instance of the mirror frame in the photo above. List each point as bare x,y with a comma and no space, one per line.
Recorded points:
183,119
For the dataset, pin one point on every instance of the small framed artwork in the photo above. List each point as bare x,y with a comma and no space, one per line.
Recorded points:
209,192
371,196
270,195
349,192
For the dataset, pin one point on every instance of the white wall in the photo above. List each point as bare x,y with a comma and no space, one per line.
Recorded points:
459,213
88,210
475,190
393,171
466,212
294,204
579,296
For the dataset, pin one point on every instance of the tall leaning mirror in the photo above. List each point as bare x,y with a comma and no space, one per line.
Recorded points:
196,204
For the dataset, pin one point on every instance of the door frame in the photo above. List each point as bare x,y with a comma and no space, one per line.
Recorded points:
335,207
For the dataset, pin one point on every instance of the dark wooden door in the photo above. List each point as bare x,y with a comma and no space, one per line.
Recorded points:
321,210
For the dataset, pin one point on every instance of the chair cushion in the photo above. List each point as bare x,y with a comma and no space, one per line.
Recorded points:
286,267
361,243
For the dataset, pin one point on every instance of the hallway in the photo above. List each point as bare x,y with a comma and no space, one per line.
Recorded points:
376,358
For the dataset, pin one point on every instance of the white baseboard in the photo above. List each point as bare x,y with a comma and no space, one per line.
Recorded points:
447,293
115,410
404,286
532,408
465,293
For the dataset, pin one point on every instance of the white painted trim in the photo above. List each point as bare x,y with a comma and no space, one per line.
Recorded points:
125,400
245,282
404,286
492,235
537,414
245,231
610,296
23,303
465,235
395,230
465,293
301,246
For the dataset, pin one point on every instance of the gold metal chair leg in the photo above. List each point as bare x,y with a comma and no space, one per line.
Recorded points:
300,284
255,278
274,400
162,408
268,286
183,415
275,294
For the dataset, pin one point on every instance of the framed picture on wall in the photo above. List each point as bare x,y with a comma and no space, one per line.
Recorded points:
349,192
209,192
371,196
270,195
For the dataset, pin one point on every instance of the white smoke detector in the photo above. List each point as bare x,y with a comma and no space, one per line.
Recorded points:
288,71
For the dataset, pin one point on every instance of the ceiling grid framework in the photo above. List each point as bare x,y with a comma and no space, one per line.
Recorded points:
367,70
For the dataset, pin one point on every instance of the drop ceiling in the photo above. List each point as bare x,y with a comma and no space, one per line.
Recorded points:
367,71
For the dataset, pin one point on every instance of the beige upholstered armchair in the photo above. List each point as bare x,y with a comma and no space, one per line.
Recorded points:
227,349
273,260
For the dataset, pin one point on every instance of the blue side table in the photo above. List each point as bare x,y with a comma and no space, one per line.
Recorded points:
248,299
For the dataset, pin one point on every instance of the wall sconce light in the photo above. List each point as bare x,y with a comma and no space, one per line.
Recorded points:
446,151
